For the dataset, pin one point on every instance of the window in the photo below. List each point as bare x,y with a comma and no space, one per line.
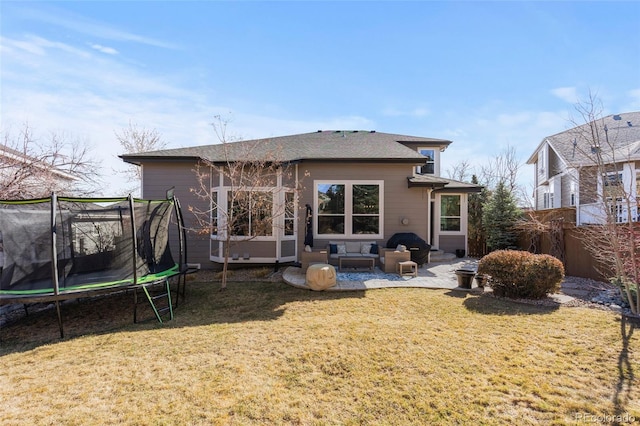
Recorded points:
548,200
612,179
349,208
214,213
572,195
289,213
450,213
366,209
250,213
613,185
429,167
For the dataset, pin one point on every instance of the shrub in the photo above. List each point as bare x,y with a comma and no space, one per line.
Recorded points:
520,274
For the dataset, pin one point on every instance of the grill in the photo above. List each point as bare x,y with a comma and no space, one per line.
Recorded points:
418,247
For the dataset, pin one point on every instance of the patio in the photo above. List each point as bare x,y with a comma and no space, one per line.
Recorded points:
441,275
432,275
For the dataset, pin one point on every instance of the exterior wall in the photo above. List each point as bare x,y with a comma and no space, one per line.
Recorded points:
451,243
556,165
158,177
588,185
400,202
404,210
539,196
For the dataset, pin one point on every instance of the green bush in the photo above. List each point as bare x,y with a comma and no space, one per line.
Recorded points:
520,274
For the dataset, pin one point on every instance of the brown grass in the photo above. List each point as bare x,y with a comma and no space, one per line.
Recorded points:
265,353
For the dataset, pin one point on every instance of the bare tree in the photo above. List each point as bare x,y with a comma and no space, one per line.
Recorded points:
250,201
614,236
30,168
504,168
460,171
134,139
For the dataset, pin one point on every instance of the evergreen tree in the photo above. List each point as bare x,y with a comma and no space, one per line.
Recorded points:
499,219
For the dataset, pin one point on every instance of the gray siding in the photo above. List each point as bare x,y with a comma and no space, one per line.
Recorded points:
555,165
539,199
566,190
161,176
400,201
451,243
588,185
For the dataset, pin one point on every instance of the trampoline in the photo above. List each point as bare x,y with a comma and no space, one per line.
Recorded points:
59,248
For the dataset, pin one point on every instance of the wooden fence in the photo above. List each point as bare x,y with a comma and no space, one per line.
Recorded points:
564,241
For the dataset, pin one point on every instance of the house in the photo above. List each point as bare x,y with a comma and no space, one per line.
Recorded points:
359,185
24,176
590,168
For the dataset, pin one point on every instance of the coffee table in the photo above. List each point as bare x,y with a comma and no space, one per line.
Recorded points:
370,260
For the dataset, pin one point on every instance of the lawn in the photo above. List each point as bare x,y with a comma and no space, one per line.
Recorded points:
266,353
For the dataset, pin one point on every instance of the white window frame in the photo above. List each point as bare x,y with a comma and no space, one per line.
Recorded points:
433,161
459,217
348,209
547,200
277,205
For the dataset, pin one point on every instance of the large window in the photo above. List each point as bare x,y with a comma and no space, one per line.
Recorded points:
349,208
450,213
250,213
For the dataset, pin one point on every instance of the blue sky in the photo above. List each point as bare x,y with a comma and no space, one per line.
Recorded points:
486,75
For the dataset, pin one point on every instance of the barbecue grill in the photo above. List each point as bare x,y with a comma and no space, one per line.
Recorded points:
418,247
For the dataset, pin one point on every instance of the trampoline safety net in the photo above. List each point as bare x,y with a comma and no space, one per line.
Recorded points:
99,243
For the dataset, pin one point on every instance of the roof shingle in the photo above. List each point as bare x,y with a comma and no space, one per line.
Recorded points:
320,145
616,137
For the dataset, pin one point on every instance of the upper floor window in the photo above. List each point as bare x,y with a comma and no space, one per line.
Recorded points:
429,167
548,200
612,185
349,208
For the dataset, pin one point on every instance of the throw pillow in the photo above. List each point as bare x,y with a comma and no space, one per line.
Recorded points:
342,249
365,249
374,249
333,248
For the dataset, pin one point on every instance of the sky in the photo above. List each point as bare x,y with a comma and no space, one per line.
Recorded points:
485,75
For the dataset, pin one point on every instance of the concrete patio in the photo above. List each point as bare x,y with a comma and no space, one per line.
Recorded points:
439,275
432,275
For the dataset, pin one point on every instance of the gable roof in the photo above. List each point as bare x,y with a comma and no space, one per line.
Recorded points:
615,138
333,145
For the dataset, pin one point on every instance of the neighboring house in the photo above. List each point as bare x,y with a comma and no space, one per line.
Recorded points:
589,167
23,176
361,185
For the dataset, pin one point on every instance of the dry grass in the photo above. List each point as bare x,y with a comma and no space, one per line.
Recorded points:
265,353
